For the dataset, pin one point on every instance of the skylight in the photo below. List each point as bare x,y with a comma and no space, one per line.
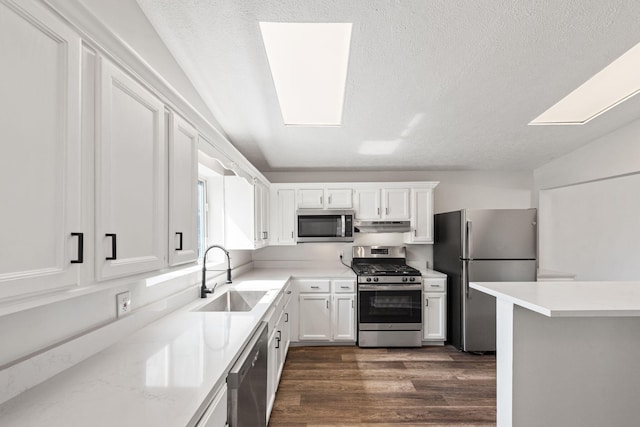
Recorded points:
309,67
616,83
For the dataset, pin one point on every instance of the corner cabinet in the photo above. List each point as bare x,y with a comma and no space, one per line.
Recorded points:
40,154
283,215
183,195
131,176
246,207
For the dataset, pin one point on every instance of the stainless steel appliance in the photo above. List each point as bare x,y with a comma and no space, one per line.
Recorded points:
481,245
382,226
319,225
247,383
389,297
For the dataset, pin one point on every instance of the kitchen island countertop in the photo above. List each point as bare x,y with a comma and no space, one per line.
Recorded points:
569,298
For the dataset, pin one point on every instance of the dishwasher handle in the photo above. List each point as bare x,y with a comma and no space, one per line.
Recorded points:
247,359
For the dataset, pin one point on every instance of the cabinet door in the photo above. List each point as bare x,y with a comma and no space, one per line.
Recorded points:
216,413
422,216
396,203
368,204
314,317
285,221
40,152
239,211
131,177
264,215
343,317
272,370
434,316
339,198
183,191
312,198
258,236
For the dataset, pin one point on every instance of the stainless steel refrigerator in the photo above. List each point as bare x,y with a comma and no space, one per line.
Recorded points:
481,245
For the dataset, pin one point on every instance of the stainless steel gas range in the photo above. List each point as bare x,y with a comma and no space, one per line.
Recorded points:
389,297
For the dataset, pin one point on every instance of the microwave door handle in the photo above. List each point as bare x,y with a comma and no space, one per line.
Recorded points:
344,219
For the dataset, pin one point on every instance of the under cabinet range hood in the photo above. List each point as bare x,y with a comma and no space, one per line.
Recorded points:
382,226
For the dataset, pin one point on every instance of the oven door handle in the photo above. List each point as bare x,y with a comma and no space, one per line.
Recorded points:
416,287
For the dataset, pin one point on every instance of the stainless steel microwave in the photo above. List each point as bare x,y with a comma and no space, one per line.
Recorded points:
316,225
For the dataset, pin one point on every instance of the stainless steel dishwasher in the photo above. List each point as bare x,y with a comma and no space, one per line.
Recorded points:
247,383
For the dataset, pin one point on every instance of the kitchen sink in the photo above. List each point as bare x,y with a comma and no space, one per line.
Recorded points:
233,300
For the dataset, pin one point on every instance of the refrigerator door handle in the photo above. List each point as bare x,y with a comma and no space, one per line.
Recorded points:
467,236
465,294
465,272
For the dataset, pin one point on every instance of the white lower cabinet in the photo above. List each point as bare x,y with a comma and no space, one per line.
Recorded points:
434,316
278,344
326,310
342,319
434,323
216,413
315,317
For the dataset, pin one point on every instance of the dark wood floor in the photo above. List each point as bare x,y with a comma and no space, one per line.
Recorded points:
329,386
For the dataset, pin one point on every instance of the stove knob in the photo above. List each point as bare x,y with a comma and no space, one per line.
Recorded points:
375,279
413,279
368,279
404,279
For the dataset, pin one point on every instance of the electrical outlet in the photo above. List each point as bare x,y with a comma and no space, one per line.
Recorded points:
123,303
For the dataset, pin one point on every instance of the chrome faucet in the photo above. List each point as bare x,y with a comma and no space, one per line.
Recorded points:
204,290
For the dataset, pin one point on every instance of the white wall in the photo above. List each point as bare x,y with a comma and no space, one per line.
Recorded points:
589,203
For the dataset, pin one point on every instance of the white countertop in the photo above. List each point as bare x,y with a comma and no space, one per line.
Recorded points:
162,374
432,274
569,298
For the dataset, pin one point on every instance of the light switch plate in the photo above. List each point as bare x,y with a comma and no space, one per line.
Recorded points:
123,303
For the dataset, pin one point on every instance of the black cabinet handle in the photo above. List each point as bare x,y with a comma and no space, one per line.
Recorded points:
114,244
179,233
80,257
277,342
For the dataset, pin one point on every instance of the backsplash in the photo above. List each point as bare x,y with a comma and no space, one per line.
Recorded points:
324,253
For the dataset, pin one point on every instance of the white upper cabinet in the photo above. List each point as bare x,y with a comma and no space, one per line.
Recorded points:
421,216
321,198
40,152
368,203
131,177
339,198
246,213
311,198
284,218
395,202
382,203
183,193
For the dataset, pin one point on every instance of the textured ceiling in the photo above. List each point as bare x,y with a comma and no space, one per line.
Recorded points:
439,84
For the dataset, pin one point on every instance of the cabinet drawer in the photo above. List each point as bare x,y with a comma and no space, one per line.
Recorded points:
313,285
344,286
434,285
